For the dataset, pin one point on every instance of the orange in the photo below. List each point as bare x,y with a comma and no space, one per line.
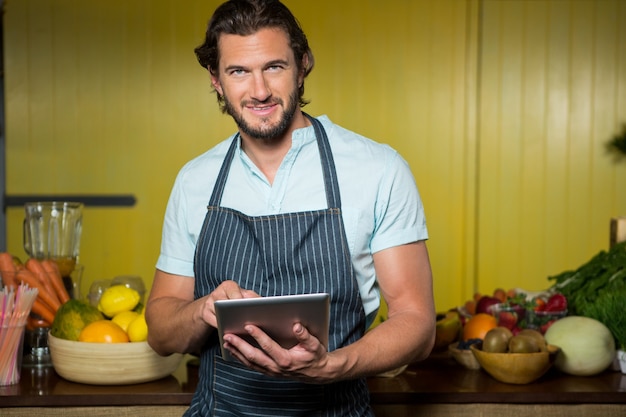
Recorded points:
103,331
478,326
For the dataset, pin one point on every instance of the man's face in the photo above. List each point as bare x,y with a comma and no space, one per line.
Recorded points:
258,78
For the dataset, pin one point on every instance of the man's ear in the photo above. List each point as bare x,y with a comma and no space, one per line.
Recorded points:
305,65
215,81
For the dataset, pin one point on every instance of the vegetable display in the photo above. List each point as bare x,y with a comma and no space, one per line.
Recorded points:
597,290
603,273
609,309
44,275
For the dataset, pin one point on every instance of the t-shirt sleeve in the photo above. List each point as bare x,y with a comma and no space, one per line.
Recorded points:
177,242
399,212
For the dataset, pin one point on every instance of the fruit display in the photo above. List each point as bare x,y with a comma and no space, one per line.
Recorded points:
519,309
115,320
505,328
511,358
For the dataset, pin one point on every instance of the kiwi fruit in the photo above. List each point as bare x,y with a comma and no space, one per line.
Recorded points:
496,340
535,334
523,344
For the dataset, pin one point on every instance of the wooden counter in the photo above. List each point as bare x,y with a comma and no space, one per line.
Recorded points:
435,387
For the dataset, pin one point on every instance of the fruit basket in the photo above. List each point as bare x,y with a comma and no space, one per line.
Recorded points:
516,368
109,363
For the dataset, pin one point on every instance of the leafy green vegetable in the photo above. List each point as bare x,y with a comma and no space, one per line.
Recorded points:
608,309
606,271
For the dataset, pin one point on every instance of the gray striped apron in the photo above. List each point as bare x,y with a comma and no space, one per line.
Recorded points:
284,254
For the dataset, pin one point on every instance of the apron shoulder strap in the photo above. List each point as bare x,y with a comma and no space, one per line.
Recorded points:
331,183
220,183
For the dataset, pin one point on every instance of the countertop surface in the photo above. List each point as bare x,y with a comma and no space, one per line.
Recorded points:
438,379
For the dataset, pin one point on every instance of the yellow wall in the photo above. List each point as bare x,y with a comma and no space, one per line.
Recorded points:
501,109
552,94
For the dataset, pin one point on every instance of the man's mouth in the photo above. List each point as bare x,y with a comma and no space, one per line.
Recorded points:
262,110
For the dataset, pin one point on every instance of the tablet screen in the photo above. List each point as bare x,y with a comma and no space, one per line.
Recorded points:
275,316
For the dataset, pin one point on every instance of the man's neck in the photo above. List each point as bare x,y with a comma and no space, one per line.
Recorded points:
267,155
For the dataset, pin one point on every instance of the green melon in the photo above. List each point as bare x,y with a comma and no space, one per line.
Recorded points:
72,317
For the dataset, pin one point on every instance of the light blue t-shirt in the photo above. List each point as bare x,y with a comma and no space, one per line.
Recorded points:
381,206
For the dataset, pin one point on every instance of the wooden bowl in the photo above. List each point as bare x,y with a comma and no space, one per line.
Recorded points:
516,368
109,363
464,357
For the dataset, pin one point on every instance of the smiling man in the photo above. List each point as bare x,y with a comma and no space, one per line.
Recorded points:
266,90
290,204
258,78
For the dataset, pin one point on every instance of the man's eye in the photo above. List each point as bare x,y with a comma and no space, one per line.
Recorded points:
236,71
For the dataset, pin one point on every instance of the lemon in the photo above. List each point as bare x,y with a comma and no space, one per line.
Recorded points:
117,299
138,329
103,331
124,318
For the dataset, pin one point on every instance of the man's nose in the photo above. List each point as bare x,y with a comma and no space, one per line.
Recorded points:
260,87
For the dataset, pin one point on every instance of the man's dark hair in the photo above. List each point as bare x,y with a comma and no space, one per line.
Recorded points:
246,17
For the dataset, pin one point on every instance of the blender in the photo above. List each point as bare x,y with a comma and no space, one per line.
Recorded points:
52,230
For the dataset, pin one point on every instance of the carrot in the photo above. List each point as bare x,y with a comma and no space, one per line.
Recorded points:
7,270
35,266
56,279
28,277
34,321
42,311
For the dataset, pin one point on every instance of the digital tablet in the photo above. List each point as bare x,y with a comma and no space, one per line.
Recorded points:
275,316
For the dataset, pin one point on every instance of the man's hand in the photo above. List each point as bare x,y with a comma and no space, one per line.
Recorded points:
171,309
303,362
227,290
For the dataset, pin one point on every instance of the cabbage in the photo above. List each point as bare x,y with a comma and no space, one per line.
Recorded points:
587,345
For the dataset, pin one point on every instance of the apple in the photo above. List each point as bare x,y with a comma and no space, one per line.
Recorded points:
485,302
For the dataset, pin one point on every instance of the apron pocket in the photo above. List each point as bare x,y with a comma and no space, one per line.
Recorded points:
243,392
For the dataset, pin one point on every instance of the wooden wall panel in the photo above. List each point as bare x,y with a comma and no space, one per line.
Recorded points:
398,73
550,75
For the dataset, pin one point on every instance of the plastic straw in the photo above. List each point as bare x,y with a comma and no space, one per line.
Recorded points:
16,306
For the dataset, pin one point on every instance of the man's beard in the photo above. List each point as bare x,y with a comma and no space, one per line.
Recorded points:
265,132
